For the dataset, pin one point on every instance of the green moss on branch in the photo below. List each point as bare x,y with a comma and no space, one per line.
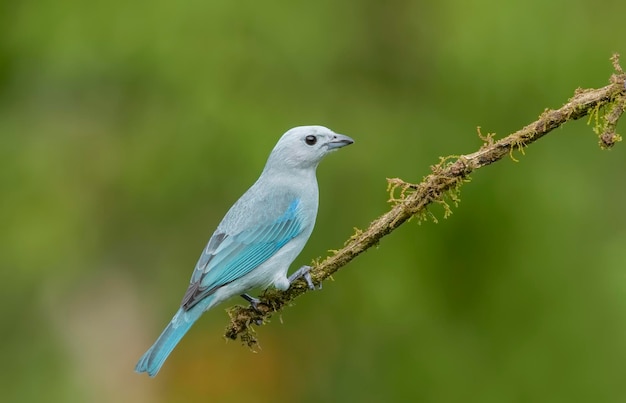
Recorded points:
604,106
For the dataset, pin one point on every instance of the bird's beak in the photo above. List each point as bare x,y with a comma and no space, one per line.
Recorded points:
338,141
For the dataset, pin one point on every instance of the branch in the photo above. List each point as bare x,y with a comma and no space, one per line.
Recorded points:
604,106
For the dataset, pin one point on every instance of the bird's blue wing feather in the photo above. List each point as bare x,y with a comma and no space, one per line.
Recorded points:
229,257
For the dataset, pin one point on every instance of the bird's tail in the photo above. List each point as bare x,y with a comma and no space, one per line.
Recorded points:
156,355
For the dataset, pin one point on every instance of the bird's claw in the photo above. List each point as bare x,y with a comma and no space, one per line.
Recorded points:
254,302
303,272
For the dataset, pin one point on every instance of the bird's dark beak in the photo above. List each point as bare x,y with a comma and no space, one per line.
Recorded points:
338,141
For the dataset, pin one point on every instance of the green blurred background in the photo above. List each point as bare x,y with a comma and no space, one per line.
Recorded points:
129,128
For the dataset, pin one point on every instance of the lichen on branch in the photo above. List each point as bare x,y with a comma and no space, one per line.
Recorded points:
603,106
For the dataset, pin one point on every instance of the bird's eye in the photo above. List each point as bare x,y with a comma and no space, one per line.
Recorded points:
310,140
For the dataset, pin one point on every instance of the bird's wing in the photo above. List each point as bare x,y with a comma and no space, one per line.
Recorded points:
228,257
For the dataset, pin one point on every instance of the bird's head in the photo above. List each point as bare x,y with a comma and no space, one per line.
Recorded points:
305,146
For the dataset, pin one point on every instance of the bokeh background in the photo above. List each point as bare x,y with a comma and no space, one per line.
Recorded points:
128,129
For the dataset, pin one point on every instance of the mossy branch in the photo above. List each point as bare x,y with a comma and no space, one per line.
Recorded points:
603,106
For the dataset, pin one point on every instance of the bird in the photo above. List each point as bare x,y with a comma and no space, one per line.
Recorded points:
259,237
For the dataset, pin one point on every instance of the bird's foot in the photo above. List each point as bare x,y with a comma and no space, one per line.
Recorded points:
303,272
254,302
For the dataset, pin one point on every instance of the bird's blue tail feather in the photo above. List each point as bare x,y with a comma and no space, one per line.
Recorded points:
156,355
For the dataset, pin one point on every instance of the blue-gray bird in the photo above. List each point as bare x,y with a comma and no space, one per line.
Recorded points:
258,239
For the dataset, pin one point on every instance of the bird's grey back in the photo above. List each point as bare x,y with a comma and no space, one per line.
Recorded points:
269,198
